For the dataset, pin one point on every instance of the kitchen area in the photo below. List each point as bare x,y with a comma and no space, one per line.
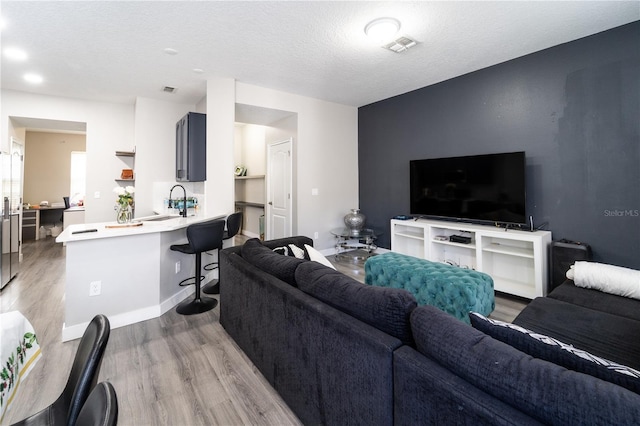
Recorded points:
132,273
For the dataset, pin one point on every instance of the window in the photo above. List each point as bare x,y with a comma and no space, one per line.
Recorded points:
78,177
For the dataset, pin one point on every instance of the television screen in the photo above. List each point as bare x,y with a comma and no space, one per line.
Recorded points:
478,188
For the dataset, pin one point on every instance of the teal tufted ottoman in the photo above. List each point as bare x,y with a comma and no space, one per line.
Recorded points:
450,288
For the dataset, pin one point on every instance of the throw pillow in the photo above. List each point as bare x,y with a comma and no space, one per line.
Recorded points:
316,256
552,350
293,251
607,278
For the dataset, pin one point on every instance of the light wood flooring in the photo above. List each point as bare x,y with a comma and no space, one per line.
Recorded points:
172,370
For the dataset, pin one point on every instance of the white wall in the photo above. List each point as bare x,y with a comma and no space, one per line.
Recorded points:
109,126
155,140
326,154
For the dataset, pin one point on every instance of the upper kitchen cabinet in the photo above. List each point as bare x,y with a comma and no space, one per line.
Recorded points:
191,148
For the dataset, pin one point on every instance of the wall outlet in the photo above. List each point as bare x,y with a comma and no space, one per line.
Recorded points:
314,191
96,194
315,235
95,288
177,266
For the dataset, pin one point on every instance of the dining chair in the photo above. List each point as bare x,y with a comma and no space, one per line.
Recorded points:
101,408
82,378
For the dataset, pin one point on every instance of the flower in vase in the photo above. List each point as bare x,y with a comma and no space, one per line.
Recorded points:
125,195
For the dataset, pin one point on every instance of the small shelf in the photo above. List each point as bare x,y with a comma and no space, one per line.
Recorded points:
249,177
415,236
249,204
129,162
469,246
509,250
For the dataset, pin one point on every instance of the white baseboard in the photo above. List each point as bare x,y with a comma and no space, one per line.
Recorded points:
128,318
250,234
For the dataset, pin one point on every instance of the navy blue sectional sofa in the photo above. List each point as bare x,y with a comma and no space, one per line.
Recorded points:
343,353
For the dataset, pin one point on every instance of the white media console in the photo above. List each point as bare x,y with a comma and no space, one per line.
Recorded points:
516,260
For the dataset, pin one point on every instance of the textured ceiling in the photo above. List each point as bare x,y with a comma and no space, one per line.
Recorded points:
113,50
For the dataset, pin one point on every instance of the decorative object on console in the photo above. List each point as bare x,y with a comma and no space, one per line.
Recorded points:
124,203
355,221
126,174
240,171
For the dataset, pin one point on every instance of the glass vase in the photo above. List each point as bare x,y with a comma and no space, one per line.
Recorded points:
123,213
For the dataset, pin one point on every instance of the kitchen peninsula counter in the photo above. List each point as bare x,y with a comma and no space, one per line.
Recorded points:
128,274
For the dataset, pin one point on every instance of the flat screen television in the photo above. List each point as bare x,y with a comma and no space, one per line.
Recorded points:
478,189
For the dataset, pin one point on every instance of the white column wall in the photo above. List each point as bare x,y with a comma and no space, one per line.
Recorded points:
219,187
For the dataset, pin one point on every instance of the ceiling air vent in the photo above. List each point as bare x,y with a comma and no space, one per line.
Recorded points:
400,45
168,89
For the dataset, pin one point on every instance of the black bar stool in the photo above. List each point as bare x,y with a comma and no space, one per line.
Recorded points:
234,222
202,237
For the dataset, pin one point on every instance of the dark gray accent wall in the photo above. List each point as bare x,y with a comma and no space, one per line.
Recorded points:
574,109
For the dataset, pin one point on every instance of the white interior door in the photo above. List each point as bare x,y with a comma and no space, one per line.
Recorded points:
279,190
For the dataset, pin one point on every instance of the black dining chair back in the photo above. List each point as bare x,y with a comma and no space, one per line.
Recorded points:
82,378
101,408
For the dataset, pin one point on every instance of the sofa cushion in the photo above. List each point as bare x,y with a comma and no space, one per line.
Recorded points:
281,267
597,300
605,335
386,309
553,350
543,390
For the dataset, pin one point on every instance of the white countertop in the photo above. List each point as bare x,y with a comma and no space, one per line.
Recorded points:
147,226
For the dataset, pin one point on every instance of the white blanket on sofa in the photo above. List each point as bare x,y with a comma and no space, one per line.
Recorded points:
607,278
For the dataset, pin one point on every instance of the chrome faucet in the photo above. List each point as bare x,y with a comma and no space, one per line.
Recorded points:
183,212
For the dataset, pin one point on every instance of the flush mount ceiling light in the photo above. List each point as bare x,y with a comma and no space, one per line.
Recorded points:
382,30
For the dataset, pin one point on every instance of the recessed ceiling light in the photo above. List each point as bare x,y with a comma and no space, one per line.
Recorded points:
382,30
15,54
33,78
198,70
170,51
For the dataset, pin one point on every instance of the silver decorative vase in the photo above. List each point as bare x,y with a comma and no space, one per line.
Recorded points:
355,221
